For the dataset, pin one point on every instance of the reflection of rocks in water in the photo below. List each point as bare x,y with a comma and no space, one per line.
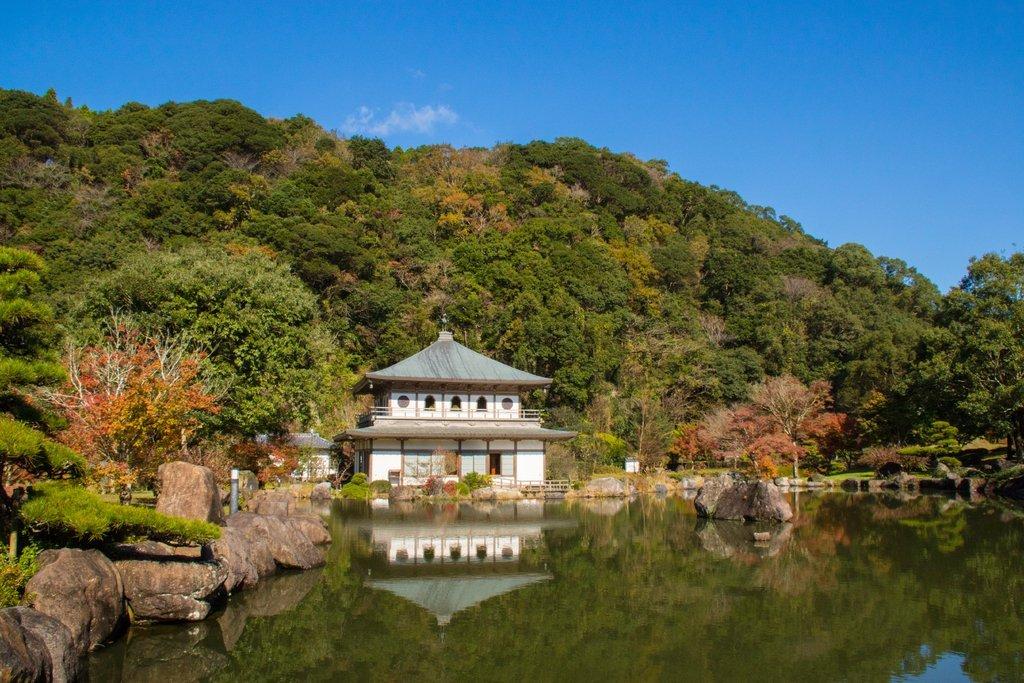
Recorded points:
163,653
274,595
734,540
605,507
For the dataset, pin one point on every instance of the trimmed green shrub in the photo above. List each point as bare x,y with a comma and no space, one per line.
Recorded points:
359,479
475,480
67,513
15,574
462,489
380,486
951,462
354,490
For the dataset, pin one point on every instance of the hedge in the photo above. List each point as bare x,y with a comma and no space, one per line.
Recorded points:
65,512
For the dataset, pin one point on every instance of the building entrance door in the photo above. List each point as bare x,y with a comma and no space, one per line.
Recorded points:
494,463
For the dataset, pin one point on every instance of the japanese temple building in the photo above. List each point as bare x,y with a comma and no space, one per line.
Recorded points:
449,403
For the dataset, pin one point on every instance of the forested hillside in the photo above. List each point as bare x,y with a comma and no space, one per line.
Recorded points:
294,259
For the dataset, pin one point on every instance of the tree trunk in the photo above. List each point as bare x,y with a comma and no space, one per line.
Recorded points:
1015,439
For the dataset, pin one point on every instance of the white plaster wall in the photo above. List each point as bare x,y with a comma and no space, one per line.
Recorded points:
530,466
383,460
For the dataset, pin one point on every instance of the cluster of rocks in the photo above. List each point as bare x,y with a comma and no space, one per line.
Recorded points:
815,481
944,479
726,497
82,598
604,487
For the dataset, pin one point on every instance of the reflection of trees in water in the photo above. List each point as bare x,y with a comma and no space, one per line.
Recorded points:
862,583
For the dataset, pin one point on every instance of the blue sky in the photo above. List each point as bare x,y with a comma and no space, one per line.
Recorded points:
897,125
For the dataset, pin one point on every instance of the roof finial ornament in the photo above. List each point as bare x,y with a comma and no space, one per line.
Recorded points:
445,334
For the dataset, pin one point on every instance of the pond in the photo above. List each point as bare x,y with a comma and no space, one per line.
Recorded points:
860,587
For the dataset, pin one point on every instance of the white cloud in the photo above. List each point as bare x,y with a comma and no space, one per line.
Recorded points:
404,118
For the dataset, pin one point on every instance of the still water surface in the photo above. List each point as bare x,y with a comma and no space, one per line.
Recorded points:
860,587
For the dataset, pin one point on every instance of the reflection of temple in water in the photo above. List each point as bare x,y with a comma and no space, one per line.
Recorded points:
448,565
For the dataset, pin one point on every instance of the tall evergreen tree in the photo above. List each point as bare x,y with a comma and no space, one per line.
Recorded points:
27,359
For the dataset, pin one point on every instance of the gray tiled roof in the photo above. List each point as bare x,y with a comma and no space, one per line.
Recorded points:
308,440
446,360
450,432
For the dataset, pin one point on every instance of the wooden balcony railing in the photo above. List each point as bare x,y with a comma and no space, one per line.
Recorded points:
445,413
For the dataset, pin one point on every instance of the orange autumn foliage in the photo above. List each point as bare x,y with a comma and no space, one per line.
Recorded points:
134,400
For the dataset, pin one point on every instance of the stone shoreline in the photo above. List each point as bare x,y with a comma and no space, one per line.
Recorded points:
80,599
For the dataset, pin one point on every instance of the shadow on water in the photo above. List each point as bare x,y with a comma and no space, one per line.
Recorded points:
856,587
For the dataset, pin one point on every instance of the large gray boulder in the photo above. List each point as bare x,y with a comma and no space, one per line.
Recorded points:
403,493
66,665
314,528
723,498
321,492
244,562
23,654
605,487
189,491
279,502
171,590
497,493
82,590
289,546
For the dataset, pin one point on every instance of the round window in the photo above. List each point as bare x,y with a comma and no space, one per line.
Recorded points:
403,401
507,403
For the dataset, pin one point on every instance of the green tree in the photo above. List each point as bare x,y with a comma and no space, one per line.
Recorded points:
252,317
984,349
27,360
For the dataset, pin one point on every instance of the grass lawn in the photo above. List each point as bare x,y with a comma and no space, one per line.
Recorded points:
865,474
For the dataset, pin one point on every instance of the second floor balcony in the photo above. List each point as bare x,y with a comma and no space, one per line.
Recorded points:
443,412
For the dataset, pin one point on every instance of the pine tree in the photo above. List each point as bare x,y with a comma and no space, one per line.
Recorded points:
27,359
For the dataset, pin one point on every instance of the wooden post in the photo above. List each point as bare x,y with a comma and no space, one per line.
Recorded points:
458,450
401,461
515,461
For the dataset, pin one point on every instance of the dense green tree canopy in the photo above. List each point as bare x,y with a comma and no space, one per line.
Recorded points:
554,256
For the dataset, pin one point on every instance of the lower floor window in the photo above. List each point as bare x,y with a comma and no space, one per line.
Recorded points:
421,465
477,462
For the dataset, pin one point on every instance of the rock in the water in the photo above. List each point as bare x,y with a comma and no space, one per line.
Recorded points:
722,498
403,493
277,502
1012,487
782,481
321,491
288,544
171,590
497,493
707,497
904,481
83,591
313,527
850,485
238,556
189,491
23,654
690,483
66,665
605,487
970,485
